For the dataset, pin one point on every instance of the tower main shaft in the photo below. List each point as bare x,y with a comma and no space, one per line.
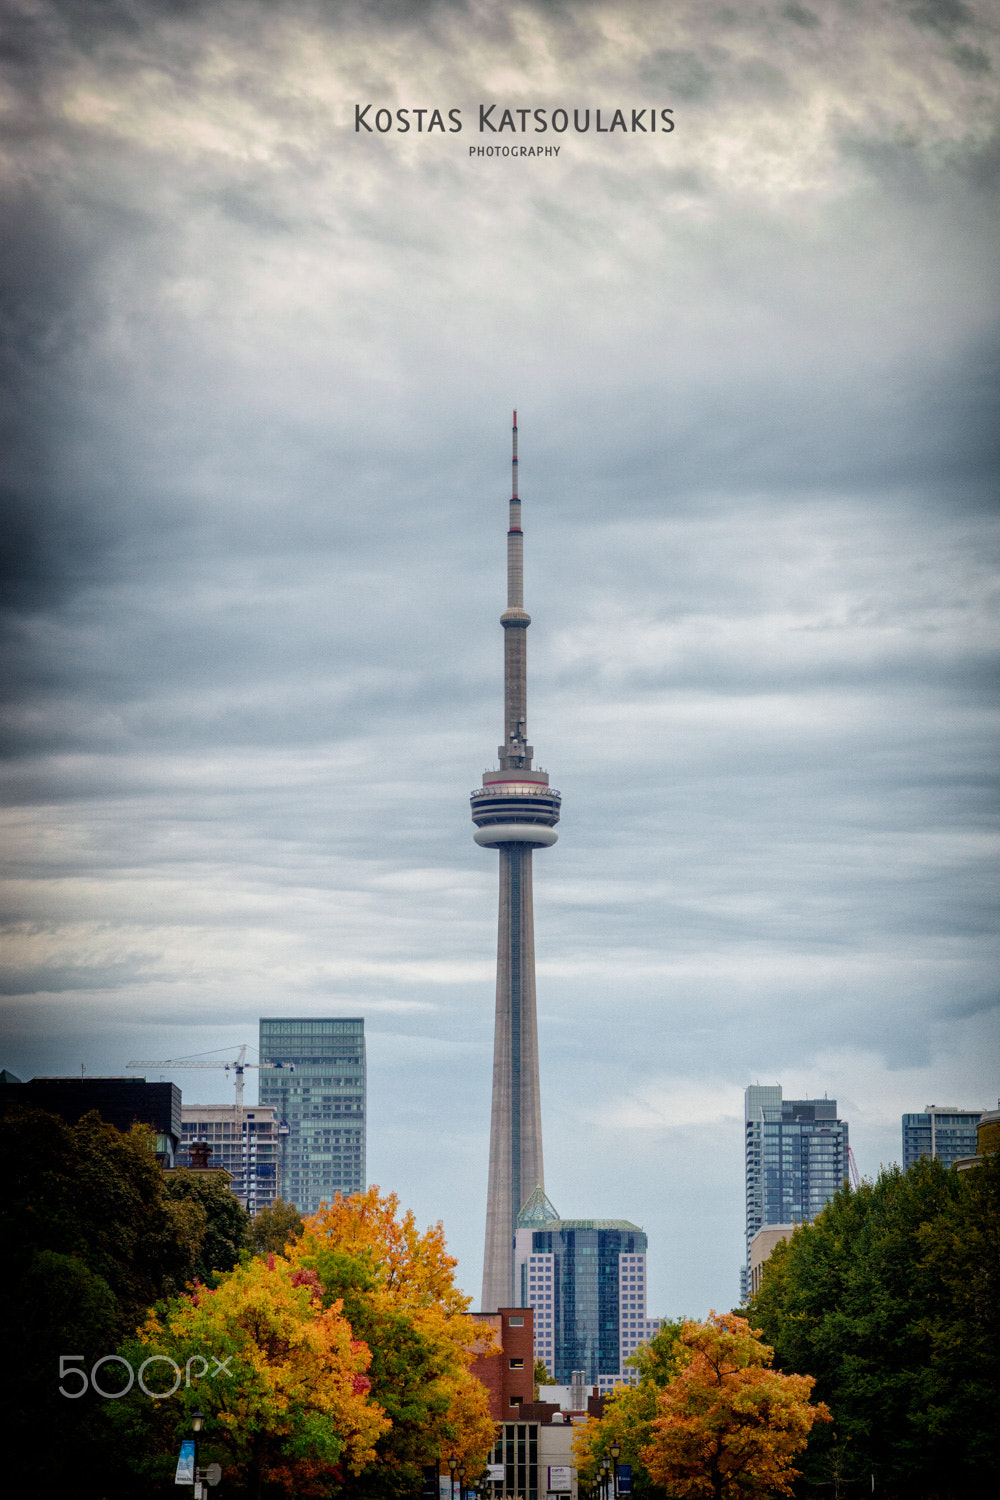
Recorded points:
514,811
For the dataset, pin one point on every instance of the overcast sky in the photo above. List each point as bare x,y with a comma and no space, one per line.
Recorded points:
260,373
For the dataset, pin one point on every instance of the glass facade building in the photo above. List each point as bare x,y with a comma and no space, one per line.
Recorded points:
318,1088
796,1159
944,1131
586,1281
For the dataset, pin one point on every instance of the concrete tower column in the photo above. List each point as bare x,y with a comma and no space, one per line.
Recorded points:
514,811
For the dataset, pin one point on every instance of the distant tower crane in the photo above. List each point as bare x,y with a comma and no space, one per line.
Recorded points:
239,1067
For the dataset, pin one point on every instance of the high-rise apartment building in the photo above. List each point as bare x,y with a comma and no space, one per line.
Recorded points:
796,1159
244,1143
585,1279
515,812
943,1130
320,1097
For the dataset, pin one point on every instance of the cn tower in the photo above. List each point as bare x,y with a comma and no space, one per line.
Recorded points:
514,812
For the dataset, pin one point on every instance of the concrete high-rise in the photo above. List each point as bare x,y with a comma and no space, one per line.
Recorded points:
245,1143
796,1159
514,811
319,1093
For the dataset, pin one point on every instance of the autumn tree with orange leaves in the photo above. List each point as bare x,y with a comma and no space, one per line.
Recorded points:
395,1284
727,1426
282,1379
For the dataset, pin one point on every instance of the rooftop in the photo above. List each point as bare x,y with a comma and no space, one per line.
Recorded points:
590,1224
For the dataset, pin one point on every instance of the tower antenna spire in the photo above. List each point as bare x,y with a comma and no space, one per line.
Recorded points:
515,811
513,462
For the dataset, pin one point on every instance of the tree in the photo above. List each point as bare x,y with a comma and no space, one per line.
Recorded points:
396,1285
95,1193
291,1405
225,1232
542,1376
727,1426
89,1241
274,1227
891,1299
629,1412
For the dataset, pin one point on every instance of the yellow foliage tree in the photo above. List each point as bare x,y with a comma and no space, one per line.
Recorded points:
728,1426
286,1393
397,1288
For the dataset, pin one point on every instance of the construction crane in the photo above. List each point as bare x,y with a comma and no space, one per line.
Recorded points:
855,1175
239,1066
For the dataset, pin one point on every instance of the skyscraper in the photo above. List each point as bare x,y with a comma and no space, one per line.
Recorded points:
943,1130
245,1143
586,1281
320,1101
796,1159
514,812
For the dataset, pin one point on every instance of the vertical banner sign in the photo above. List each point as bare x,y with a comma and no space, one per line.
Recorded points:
624,1479
185,1464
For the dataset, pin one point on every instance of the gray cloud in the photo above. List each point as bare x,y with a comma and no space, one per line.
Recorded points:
258,399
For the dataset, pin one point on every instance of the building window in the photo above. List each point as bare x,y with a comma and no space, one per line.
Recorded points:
517,1364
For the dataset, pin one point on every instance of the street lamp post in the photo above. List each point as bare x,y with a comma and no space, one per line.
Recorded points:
615,1450
197,1422
452,1466
605,1470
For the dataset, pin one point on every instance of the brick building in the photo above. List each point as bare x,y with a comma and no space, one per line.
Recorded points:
509,1376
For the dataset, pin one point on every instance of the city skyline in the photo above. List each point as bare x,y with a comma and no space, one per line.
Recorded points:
262,373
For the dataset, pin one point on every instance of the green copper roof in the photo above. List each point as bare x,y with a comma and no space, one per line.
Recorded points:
538,1210
559,1224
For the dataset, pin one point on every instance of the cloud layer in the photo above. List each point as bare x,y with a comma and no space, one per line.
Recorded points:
259,379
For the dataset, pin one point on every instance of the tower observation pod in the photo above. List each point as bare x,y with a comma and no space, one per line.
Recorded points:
515,811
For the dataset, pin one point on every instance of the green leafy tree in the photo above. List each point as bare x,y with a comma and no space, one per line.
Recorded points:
542,1376
89,1241
275,1227
891,1298
224,1223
